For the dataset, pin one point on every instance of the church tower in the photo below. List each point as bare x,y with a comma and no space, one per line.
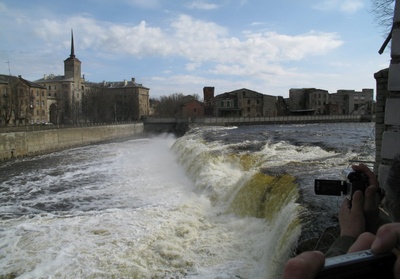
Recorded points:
72,65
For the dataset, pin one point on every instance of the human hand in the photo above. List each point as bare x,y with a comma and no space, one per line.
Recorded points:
387,239
304,266
372,199
351,216
372,180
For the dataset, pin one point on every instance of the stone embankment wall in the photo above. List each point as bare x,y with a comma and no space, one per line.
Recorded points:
27,143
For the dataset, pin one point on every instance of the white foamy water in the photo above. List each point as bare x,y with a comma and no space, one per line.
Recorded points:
157,208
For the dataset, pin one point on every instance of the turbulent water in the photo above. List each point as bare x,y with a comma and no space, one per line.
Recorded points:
215,203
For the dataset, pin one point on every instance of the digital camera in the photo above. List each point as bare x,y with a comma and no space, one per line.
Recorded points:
352,181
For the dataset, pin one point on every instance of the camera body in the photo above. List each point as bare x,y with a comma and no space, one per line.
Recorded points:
352,181
359,265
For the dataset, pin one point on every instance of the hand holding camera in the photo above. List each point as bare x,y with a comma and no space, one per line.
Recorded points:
358,178
359,213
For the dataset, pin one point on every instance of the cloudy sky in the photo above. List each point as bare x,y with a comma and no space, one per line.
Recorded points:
180,46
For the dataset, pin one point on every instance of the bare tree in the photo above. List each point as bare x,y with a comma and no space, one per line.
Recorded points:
383,11
170,106
383,14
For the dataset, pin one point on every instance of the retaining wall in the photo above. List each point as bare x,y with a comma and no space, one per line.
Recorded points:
27,143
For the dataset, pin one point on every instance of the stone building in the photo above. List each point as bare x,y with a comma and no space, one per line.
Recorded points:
244,103
119,100
22,102
66,101
308,101
192,109
319,101
353,102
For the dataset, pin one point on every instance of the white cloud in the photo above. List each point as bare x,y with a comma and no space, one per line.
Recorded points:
346,6
149,4
201,5
351,6
200,44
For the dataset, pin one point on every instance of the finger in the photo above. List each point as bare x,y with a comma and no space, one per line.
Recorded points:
363,242
346,205
304,266
357,203
372,199
387,238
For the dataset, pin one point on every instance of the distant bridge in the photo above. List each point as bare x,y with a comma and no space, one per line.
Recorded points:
181,125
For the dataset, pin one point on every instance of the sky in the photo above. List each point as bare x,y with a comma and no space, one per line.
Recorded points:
181,46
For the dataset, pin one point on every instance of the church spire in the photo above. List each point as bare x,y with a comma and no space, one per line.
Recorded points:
72,45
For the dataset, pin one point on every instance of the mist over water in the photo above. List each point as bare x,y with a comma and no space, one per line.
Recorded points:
216,203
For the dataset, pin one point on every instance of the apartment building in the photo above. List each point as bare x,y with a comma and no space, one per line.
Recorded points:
22,102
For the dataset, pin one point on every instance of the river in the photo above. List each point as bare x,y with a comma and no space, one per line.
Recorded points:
219,202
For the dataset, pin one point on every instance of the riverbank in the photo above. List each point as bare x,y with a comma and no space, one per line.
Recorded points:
27,143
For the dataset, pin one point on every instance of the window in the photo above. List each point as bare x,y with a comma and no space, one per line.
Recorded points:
222,104
42,103
248,102
37,103
49,87
37,93
42,93
43,112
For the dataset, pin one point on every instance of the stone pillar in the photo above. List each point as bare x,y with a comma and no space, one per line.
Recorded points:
388,102
382,94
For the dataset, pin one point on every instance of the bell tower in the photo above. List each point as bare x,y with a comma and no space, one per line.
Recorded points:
72,65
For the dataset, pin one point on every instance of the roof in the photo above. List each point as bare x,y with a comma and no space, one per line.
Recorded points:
53,78
5,79
119,84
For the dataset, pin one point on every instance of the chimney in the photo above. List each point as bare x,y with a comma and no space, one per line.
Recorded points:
208,93
133,79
